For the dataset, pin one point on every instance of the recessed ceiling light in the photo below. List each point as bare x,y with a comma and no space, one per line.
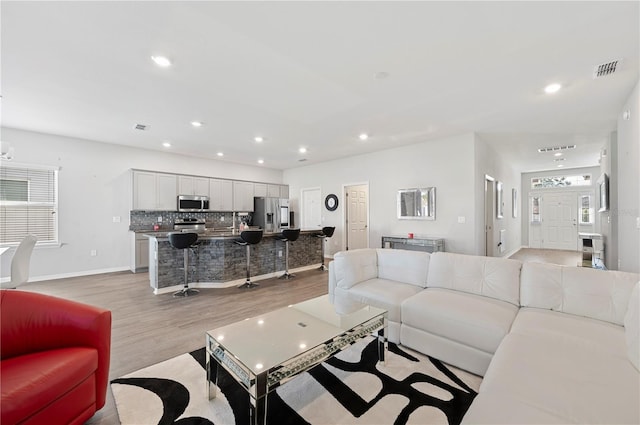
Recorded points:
560,165
161,61
166,144
261,161
557,154
220,154
302,150
258,139
196,123
363,136
552,88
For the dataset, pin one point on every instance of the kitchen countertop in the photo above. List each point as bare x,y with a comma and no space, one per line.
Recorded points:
214,234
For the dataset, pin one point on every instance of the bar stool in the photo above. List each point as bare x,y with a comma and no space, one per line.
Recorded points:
327,232
288,235
248,238
184,241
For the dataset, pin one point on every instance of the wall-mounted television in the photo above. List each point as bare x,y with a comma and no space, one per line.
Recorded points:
603,193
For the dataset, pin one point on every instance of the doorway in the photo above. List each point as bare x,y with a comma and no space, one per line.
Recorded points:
356,213
489,214
311,208
553,220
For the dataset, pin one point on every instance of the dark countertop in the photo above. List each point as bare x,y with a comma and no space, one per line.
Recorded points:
215,234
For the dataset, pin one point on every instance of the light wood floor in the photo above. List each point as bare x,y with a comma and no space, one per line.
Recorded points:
148,328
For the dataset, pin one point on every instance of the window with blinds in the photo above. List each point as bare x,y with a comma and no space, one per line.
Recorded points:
28,204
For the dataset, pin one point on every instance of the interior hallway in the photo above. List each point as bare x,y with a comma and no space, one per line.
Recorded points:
554,256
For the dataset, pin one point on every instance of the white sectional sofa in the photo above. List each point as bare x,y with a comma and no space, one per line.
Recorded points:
555,344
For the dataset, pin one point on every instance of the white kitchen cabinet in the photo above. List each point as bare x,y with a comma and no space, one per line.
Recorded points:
273,191
154,191
167,192
243,196
260,189
190,185
284,191
220,195
140,253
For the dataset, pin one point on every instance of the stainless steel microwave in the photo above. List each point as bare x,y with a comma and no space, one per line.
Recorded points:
190,203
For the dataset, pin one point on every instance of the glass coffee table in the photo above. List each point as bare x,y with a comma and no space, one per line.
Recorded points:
264,352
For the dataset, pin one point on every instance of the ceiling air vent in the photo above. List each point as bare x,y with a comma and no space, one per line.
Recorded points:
556,148
142,127
605,69
302,159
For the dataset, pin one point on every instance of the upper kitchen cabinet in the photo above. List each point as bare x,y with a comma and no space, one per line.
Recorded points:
154,191
284,192
273,191
260,190
243,196
189,185
220,195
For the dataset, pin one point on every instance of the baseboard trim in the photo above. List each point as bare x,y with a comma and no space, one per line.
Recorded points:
513,251
230,283
72,274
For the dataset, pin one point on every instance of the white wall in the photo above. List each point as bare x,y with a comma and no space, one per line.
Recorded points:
94,187
489,162
628,190
447,164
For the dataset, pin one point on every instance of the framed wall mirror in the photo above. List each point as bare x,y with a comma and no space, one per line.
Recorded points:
417,204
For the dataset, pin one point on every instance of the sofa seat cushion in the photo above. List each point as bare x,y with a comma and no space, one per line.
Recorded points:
33,381
560,374
473,320
383,293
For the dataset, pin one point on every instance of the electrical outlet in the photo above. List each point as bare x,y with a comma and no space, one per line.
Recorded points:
462,220
159,219
280,253
222,218
116,219
94,252
638,222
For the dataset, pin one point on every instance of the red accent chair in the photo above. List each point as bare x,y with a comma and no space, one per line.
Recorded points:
54,359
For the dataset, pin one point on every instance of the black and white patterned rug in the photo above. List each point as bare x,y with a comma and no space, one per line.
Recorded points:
351,388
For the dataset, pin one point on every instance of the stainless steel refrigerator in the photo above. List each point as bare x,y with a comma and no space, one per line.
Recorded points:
271,214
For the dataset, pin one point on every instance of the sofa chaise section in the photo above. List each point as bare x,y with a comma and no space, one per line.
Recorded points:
565,359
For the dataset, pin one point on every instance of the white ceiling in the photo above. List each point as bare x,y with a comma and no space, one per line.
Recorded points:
303,74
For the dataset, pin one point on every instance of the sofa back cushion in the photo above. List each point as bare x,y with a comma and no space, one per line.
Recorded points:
403,266
497,278
355,266
632,327
598,294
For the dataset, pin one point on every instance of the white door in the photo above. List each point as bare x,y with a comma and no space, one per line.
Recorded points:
559,221
489,215
357,216
311,209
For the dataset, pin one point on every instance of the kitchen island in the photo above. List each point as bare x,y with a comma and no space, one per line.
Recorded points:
219,262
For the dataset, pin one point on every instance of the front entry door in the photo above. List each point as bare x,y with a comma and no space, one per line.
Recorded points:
357,217
559,221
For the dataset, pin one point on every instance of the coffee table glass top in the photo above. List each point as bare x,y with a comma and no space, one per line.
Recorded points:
266,341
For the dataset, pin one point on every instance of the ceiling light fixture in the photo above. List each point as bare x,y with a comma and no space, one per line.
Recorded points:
302,150
557,154
552,88
166,144
258,139
220,154
363,136
560,165
261,161
161,61
196,123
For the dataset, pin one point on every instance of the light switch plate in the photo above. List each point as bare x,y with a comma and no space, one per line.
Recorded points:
116,219
638,222
462,220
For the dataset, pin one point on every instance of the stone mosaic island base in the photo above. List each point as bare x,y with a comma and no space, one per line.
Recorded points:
219,262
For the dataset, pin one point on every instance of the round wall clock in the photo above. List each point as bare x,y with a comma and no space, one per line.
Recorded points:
331,202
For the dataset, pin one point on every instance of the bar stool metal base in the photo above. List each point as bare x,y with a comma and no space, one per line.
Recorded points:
248,284
185,292
323,268
287,275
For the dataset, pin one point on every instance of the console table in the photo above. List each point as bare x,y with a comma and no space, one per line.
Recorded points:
414,244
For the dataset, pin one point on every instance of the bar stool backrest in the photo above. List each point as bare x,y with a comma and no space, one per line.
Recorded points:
251,237
291,234
182,240
328,231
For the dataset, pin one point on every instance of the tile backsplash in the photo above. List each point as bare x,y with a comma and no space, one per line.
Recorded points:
144,220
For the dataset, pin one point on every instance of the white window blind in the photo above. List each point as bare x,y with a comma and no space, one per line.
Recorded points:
28,203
